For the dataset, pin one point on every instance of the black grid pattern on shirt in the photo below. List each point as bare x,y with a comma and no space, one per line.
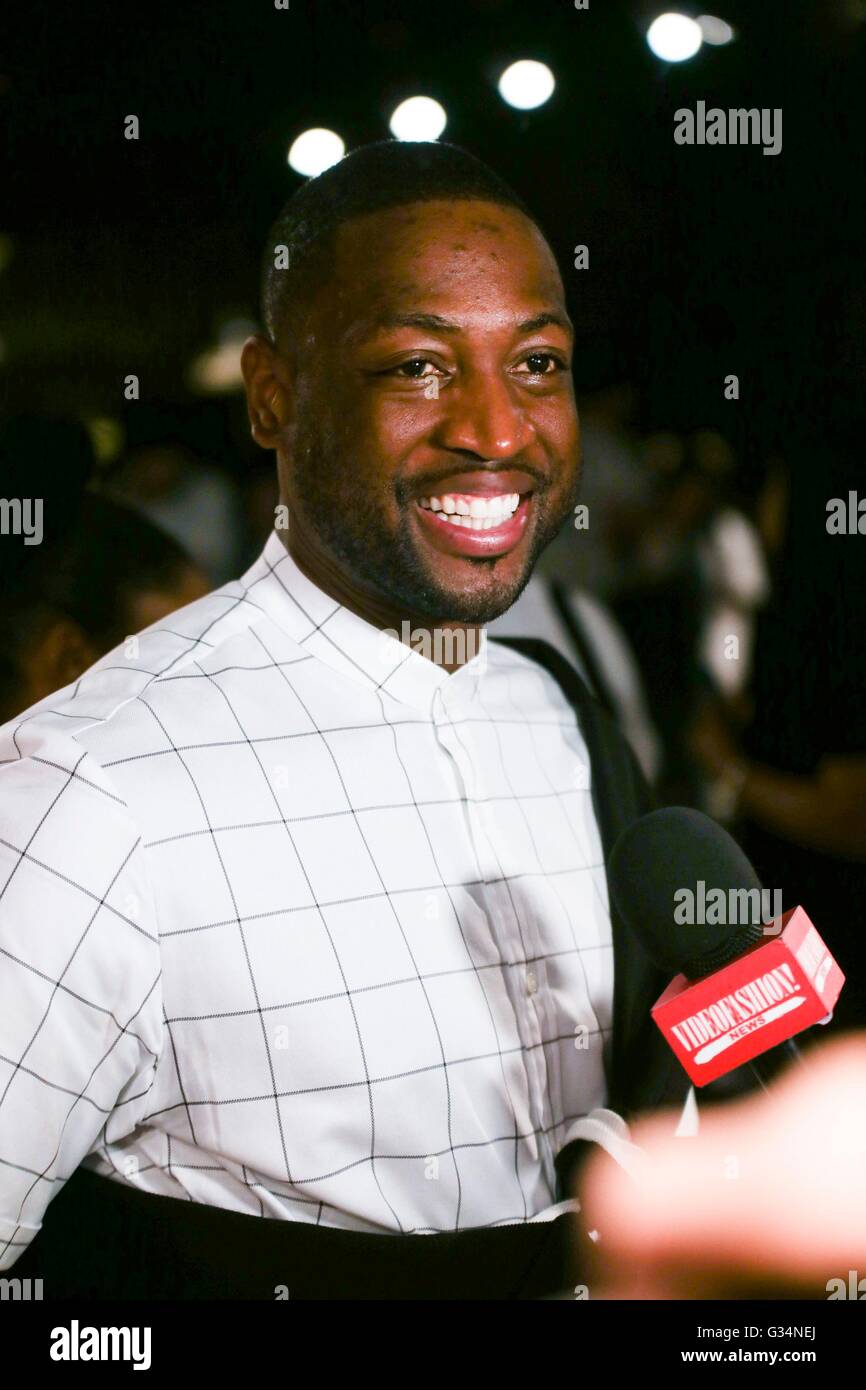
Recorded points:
75,777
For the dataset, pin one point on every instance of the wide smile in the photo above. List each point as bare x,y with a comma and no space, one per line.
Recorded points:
483,523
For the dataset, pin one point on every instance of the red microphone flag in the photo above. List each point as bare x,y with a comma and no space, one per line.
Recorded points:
774,990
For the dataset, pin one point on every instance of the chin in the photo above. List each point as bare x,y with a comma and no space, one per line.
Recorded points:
487,603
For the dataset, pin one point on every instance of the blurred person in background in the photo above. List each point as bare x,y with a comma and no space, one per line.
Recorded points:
694,581
615,488
734,574
101,570
163,477
794,774
661,606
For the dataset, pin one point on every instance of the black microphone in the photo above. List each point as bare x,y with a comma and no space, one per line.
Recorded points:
655,863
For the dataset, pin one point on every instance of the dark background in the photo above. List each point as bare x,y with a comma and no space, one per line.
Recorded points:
128,256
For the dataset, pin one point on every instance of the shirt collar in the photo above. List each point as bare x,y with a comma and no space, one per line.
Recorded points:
348,643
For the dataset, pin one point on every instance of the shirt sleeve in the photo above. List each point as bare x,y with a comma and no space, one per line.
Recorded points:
81,1020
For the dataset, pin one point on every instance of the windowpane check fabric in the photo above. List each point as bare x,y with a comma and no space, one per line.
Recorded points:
297,924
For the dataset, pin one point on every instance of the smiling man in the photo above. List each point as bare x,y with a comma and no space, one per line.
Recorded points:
420,398
301,927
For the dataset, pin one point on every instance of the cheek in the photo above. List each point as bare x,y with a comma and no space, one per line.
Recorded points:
398,426
557,428
385,437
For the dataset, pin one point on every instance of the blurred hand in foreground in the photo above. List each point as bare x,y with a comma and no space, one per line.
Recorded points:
768,1199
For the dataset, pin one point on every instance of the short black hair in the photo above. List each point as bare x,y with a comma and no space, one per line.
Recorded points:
385,174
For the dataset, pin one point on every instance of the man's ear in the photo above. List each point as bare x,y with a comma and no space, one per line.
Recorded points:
268,388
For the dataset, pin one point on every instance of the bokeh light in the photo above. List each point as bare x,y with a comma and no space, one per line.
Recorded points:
674,37
418,118
526,84
315,151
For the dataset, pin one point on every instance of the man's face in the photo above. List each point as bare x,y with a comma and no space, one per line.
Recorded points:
433,380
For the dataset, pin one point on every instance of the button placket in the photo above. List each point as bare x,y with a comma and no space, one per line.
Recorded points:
515,935
518,930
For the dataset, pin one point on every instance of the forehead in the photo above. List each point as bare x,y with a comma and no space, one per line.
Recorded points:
439,252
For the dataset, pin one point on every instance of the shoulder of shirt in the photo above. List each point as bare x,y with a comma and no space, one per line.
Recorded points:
109,702
504,658
598,727
505,654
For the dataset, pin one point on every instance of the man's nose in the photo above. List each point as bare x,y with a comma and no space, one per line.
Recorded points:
483,417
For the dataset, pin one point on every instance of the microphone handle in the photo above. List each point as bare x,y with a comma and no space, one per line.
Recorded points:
766,1067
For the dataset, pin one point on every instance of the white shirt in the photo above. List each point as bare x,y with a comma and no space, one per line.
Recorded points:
295,923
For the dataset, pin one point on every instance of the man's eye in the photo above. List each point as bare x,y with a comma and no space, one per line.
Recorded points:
543,364
414,368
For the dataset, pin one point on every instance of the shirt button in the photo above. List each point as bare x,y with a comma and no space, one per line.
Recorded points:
531,982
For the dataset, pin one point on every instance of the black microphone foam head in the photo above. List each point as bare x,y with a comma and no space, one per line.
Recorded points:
672,869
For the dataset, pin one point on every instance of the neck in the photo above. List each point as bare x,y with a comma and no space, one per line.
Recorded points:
447,642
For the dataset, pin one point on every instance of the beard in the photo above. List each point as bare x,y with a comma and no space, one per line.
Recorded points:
350,523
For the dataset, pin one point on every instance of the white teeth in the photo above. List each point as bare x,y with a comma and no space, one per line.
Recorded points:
481,523
479,509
